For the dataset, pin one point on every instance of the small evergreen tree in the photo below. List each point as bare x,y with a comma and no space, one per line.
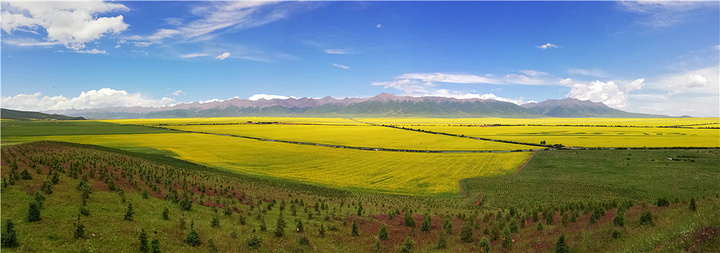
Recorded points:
145,194
215,222
25,175
561,246
646,219
383,234
425,227
166,214
192,238
211,245
693,207
34,212
143,241
466,232
355,230
484,245
447,225
155,246
280,227
299,227
549,217
253,242
407,245
129,212
321,231
359,210
378,249
79,231
507,239
513,226
616,234
9,236
539,226
619,219
409,220
442,242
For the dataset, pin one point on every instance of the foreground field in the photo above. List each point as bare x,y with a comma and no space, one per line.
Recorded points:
81,188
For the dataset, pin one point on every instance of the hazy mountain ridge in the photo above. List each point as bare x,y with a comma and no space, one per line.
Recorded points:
382,105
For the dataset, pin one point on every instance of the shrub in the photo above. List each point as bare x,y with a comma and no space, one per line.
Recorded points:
355,230
212,246
507,239
9,236
425,227
129,212
619,219
253,242
561,246
145,194
692,207
166,214
383,234
663,202
143,241
34,212
646,219
321,231
186,203
442,242
484,245
84,210
155,246
304,241
616,234
407,245
192,238
466,232
447,225
79,231
25,175
409,220
280,227
513,226
215,222
539,226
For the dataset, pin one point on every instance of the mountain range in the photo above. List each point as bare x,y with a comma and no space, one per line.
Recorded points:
24,115
382,105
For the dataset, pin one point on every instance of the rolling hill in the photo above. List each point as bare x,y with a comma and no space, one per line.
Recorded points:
24,115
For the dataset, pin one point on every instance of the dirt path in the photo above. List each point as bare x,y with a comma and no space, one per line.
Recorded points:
526,163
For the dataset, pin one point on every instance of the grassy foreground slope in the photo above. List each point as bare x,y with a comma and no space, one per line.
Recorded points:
234,213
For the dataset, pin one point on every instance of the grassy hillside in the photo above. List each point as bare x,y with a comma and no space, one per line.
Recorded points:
24,115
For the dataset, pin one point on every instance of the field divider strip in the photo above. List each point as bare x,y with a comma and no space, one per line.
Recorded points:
354,147
526,163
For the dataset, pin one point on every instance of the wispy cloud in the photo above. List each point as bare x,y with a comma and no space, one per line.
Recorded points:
664,13
223,56
155,38
424,84
588,72
337,51
378,26
340,66
267,97
193,55
92,51
528,77
68,23
547,45
178,92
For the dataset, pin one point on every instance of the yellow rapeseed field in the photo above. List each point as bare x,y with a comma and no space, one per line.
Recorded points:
358,136
396,172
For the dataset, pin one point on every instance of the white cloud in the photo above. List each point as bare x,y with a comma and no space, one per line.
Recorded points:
68,23
566,82
609,93
547,45
664,13
173,21
461,95
426,84
102,98
529,77
155,38
378,26
267,97
93,51
337,51
447,78
225,15
223,56
340,66
696,81
588,72
178,92
193,55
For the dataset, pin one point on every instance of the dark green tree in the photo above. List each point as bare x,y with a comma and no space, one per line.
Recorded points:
619,219
280,227
425,227
143,241
253,242
693,207
540,226
442,242
359,210
484,245
409,220
383,234
79,230
466,232
321,231
166,214
507,239
155,246
407,245
34,212
513,226
646,218
561,246
129,212
9,236
299,227
355,230
192,237
447,225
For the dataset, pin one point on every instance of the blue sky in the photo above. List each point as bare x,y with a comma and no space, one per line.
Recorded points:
652,57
